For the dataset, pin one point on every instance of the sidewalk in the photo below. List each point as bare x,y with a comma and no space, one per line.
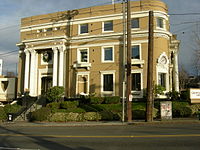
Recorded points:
102,123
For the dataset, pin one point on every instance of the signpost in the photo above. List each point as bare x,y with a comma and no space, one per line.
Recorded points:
195,95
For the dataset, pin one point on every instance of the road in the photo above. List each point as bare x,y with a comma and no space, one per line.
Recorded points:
127,137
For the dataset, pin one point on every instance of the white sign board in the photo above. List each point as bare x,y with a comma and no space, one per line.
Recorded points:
166,110
195,95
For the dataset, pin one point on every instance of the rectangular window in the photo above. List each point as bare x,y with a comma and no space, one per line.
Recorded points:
136,81
83,28
108,26
83,55
108,82
49,29
160,22
135,52
108,54
162,79
135,23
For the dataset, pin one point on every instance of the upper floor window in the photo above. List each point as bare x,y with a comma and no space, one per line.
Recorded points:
83,56
49,29
135,23
108,54
160,22
135,52
136,82
83,28
108,26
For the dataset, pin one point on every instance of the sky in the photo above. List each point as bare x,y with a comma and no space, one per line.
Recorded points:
13,10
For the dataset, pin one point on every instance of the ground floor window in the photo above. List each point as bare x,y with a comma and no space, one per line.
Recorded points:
108,82
162,79
136,82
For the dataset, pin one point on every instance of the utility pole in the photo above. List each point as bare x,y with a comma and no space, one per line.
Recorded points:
124,60
150,101
128,83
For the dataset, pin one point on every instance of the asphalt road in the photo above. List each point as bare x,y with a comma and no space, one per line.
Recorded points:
127,137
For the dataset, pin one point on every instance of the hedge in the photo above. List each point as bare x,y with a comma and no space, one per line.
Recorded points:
41,114
112,100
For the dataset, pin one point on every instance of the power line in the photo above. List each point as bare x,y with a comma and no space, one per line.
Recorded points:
9,53
184,14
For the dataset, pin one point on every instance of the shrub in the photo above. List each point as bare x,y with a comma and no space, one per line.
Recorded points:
12,108
55,93
159,90
88,108
58,117
96,100
112,100
40,114
185,95
3,115
54,105
195,108
92,116
74,117
76,110
173,95
69,104
106,115
181,109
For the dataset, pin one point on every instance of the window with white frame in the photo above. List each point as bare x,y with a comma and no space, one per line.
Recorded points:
162,79
135,23
160,22
135,53
83,56
136,82
108,82
83,28
108,54
108,26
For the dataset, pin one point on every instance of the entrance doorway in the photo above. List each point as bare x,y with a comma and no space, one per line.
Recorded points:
46,84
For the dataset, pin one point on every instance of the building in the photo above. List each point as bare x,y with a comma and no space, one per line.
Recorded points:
82,50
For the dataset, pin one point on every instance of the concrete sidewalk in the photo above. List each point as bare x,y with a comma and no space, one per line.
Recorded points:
103,123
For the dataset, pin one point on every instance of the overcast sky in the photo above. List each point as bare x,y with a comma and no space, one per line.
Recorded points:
13,10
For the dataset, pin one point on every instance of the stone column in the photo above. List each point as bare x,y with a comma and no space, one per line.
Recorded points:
27,70
61,66
55,66
33,73
175,72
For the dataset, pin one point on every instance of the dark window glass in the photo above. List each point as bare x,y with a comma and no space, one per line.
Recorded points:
108,54
136,82
135,52
162,79
108,82
83,28
160,22
108,26
84,55
135,23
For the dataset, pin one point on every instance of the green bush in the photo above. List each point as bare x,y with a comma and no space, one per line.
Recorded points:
96,100
88,108
106,115
40,114
185,95
181,109
58,117
55,93
74,117
54,105
69,104
159,90
112,100
92,116
3,115
195,108
173,95
12,108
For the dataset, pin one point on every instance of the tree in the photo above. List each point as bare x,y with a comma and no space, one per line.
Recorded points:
183,78
55,94
196,49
